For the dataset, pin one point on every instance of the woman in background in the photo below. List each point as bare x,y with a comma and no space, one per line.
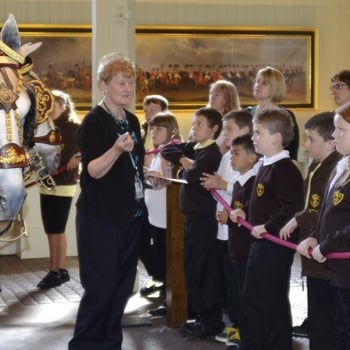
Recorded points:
55,204
269,89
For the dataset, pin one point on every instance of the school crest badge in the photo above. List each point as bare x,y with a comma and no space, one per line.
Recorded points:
315,200
337,197
260,189
237,205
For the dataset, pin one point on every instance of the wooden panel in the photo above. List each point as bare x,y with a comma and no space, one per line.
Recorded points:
176,293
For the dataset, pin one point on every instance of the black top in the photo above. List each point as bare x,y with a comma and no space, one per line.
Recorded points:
307,219
69,147
112,197
239,238
194,198
333,233
277,195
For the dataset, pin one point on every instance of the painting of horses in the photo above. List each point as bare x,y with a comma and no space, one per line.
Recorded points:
182,62
64,59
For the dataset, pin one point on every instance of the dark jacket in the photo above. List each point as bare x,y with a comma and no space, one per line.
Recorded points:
239,238
194,198
276,197
333,233
307,218
69,147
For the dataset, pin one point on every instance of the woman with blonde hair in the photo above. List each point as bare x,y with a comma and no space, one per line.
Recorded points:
223,96
269,89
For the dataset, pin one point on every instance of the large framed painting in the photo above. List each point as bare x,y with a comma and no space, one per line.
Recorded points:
64,59
181,62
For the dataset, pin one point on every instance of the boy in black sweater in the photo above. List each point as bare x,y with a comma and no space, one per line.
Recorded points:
243,159
277,195
201,249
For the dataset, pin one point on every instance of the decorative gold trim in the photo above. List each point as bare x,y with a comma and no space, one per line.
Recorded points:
44,100
11,53
13,156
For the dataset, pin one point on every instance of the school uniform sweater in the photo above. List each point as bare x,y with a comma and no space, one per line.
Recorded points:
307,218
240,239
333,233
195,200
277,195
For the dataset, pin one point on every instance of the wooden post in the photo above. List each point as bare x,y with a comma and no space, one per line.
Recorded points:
176,293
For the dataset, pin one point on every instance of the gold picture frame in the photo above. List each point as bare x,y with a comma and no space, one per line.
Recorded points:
180,62
64,59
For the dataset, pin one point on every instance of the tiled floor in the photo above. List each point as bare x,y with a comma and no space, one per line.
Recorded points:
38,320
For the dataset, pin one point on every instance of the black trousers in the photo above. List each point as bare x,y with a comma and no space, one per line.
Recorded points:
266,296
342,315
229,292
238,273
321,317
203,271
108,255
153,251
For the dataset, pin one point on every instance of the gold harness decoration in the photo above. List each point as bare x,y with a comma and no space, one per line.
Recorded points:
44,100
10,56
13,156
7,98
53,137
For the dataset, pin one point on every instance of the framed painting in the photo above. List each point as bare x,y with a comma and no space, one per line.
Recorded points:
181,62
64,59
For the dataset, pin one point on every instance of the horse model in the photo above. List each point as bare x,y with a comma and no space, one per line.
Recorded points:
44,150
22,103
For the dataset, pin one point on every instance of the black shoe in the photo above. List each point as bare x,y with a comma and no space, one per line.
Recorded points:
301,331
64,275
146,291
54,279
197,330
51,280
160,312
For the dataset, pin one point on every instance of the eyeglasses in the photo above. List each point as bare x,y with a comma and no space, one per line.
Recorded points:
337,86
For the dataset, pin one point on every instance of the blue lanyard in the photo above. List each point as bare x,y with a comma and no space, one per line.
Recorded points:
122,124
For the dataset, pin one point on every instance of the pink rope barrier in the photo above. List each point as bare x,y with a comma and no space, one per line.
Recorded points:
268,236
157,150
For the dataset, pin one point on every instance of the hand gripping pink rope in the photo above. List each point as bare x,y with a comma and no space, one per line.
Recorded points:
268,236
157,150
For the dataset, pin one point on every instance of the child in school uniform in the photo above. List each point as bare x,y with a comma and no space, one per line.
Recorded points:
235,123
163,129
201,249
277,194
243,160
332,233
320,147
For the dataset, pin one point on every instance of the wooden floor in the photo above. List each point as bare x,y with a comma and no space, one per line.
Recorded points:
38,320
